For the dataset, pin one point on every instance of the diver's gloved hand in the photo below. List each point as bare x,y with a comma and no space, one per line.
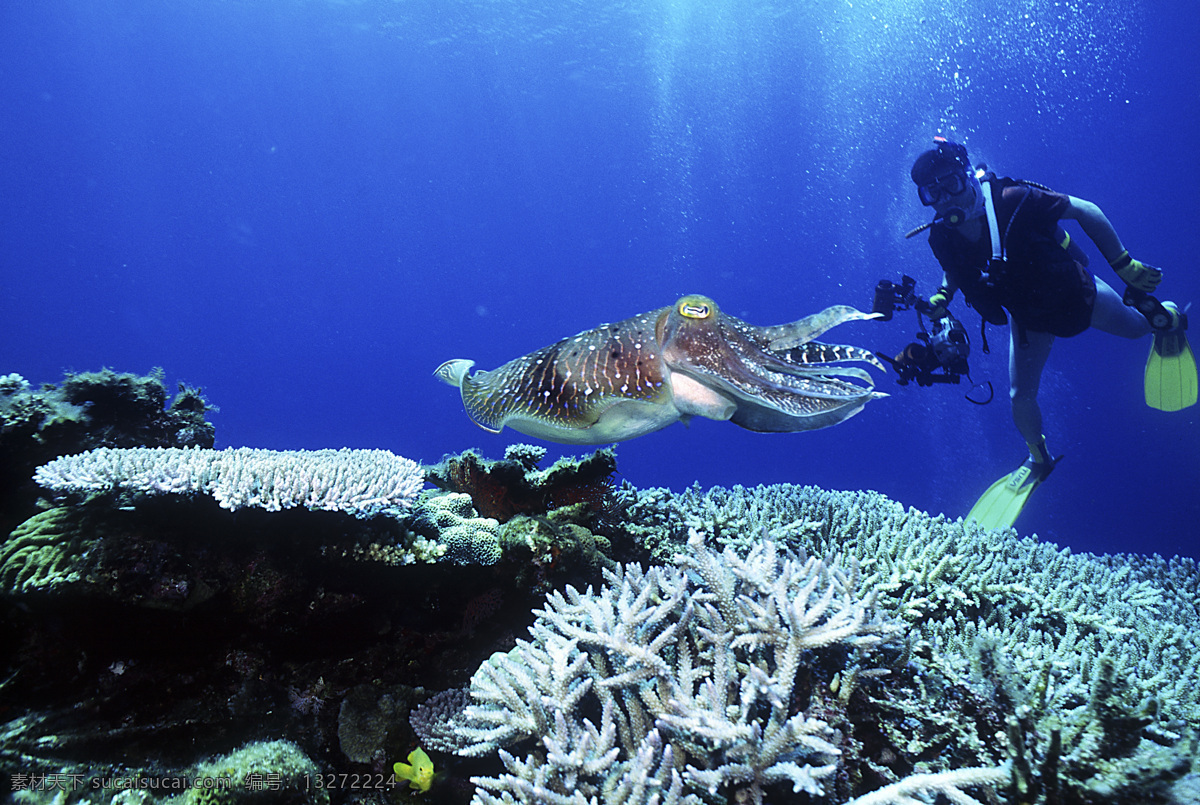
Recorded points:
938,305
1136,274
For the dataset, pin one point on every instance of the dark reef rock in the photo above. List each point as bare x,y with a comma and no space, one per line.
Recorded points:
85,411
145,634
514,485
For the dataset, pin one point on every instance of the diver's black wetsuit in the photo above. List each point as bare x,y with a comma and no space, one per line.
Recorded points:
1039,283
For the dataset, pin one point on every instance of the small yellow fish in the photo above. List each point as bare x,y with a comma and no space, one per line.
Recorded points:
418,771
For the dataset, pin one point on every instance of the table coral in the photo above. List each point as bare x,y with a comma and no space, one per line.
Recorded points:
365,483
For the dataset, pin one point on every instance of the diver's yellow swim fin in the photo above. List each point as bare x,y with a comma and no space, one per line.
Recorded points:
1000,505
1170,372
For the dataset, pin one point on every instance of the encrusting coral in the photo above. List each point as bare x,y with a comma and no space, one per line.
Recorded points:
105,408
514,485
543,519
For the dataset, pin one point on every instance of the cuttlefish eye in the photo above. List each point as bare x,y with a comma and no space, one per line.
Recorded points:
694,309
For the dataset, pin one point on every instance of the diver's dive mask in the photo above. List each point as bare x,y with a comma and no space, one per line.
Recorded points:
950,184
956,216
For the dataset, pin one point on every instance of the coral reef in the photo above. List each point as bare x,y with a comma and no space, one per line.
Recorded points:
706,677
875,655
1082,662
85,411
151,624
514,485
365,483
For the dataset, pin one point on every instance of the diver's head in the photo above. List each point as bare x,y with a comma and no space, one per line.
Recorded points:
946,157
946,182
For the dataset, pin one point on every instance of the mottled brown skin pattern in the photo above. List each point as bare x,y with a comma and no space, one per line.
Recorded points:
569,381
623,380
711,343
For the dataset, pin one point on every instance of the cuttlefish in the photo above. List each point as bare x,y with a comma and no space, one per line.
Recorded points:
636,376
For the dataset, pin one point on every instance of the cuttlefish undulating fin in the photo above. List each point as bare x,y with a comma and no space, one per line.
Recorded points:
623,380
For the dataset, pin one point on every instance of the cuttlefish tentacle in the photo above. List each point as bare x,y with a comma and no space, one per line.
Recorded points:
777,393
785,336
623,380
784,346
757,348
825,359
799,393
816,353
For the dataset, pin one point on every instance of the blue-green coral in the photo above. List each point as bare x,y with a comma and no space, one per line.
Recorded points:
1090,656
47,553
1040,675
467,537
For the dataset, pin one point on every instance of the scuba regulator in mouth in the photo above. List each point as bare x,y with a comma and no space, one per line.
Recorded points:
939,355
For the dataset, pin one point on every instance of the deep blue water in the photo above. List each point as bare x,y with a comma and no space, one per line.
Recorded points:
305,207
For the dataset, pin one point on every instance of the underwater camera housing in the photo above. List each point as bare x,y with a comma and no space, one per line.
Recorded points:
939,355
890,297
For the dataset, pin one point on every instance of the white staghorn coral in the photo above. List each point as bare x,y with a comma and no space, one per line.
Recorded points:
947,783
669,683
359,482
1089,654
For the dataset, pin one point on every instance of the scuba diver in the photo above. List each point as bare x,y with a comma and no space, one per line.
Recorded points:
999,241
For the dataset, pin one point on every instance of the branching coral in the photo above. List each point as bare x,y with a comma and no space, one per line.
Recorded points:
1079,665
687,677
949,784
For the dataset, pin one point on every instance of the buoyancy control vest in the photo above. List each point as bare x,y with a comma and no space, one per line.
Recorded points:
1025,265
